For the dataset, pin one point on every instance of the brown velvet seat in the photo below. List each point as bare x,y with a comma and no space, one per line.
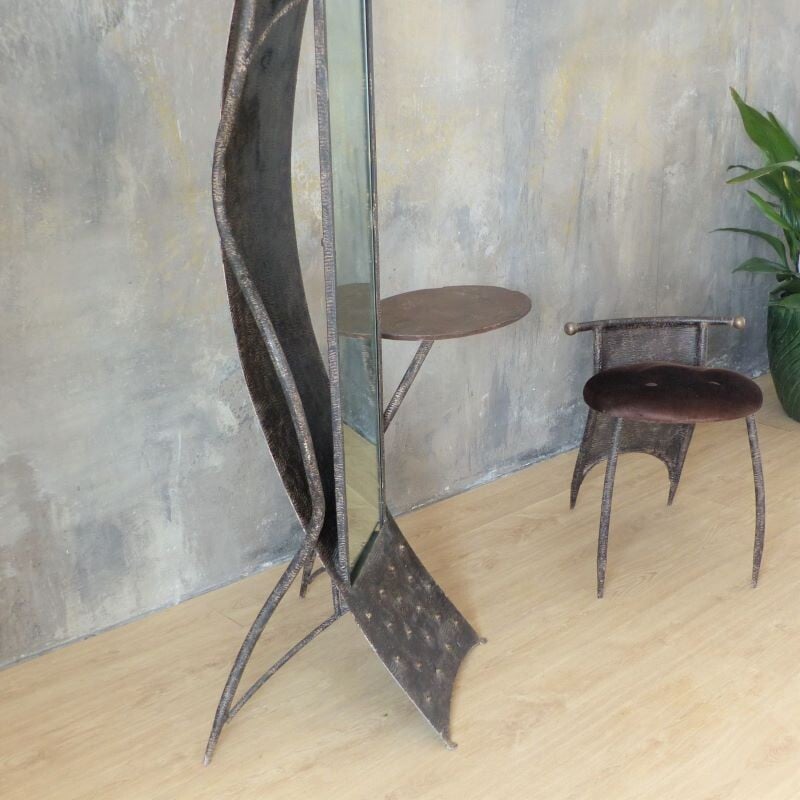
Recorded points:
672,393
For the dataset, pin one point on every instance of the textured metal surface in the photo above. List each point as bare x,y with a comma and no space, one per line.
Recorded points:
420,636
252,195
405,383
450,312
605,506
251,189
761,512
636,339
668,443
625,341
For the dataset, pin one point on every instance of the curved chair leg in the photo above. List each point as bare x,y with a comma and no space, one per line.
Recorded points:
245,651
605,509
677,467
758,476
579,473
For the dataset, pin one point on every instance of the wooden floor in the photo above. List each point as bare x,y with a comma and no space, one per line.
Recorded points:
682,683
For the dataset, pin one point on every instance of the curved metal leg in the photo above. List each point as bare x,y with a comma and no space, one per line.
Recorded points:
287,656
676,467
581,466
245,651
758,477
309,575
605,509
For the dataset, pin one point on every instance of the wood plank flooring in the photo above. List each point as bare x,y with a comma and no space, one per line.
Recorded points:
682,683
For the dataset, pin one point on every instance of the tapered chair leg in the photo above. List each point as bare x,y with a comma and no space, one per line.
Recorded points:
758,476
579,473
605,509
677,467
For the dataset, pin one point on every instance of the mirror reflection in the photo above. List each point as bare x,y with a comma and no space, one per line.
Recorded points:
355,268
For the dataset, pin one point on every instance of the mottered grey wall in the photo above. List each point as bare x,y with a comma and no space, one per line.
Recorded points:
573,150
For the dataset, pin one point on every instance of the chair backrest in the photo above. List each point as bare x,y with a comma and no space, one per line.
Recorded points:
634,339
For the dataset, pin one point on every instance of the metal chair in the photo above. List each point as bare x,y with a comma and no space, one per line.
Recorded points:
631,410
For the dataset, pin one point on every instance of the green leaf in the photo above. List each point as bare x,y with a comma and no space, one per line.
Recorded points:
791,286
770,183
773,241
767,170
765,265
769,211
763,133
791,301
788,136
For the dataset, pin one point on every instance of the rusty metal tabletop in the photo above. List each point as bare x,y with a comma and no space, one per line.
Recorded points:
450,312
447,312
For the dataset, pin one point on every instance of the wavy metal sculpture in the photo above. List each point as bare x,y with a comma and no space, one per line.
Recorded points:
252,196
412,626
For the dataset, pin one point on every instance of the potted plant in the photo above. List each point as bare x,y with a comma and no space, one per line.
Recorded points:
779,202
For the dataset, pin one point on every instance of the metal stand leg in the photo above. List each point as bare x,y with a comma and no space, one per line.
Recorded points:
605,509
758,476
307,577
405,383
308,574
224,710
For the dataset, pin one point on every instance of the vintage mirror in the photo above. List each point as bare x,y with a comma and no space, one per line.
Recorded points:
324,429
355,281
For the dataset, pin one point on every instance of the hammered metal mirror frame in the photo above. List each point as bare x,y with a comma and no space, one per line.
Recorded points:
418,634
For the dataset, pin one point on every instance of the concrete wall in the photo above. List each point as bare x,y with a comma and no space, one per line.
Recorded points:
572,150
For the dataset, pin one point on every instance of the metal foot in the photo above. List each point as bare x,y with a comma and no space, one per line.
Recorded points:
673,488
758,477
605,509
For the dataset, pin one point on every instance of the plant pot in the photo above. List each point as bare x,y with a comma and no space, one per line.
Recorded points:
783,347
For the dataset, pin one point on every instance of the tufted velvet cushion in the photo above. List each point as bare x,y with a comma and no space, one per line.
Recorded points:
676,393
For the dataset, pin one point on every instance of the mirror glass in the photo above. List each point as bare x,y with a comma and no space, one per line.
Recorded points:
351,157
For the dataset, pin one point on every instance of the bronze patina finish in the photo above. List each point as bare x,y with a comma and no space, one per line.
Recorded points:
413,628
446,312
450,312
635,341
